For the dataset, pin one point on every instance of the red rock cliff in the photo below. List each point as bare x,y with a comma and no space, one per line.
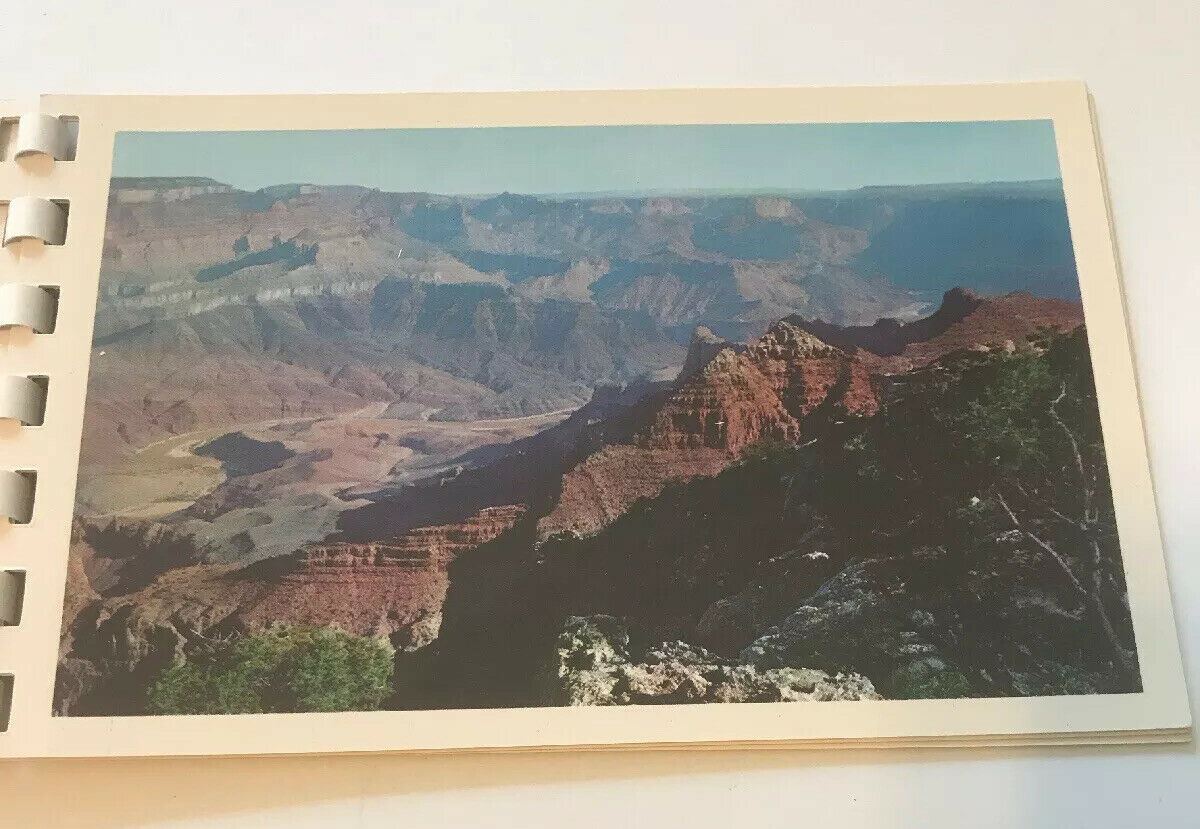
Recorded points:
726,400
381,588
729,397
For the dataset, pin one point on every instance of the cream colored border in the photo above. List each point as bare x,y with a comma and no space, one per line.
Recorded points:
30,650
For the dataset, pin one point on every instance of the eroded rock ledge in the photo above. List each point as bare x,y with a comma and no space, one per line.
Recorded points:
595,667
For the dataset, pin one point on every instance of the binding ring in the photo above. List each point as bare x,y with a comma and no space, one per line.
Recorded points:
12,593
30,306
16,495
6,695
23,399
39,134
32,218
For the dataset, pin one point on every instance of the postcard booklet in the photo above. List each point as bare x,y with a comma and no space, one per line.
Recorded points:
513,421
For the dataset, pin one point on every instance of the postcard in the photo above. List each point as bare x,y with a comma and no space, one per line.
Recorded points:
814,419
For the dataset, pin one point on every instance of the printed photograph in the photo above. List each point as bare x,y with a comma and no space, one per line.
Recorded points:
589,416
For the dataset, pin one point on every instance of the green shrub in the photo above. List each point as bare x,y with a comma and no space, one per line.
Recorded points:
281,669
929,679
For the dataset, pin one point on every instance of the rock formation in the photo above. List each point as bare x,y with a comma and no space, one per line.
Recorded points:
594,666
964,320
727,399
393,588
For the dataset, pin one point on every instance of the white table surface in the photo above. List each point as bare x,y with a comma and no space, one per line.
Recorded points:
1142,61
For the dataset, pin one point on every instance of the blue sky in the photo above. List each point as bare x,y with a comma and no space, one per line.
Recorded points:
599,159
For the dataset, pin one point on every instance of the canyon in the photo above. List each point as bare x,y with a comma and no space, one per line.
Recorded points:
380,566
405,415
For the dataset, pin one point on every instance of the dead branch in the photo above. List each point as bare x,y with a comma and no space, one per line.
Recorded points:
1079,466
1053,553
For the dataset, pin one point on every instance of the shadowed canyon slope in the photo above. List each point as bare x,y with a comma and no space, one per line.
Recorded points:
959,542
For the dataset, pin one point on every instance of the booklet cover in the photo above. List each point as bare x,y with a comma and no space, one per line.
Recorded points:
481,421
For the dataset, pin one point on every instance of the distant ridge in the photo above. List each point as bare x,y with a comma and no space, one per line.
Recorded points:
1033,187
1050,187
163,182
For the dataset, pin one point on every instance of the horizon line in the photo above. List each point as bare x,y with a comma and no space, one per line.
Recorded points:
619,193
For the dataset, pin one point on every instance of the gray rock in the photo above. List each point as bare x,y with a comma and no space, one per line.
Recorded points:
868,617
595,667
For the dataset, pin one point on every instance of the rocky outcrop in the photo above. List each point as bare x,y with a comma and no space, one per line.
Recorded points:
859,618
604,485
594,666
705,345
898,620
964,320
121,555
120,642
393,589
726,399
763,393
